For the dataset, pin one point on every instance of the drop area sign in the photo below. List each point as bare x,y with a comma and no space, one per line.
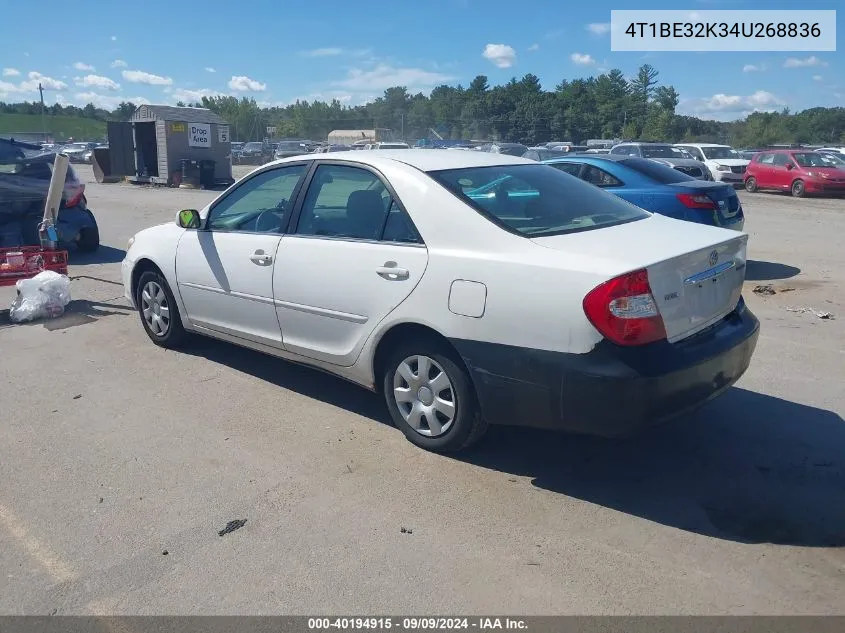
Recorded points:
200,135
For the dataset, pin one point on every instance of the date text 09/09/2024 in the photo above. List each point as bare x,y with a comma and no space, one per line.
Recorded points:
723,29
415,623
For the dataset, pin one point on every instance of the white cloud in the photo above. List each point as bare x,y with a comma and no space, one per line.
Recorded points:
119,63
599,28
817,78
84,66
209,69
11,72
141,77
48,83
114,38
534,47
322,52
107,102
242,83
502,55
383,76
754,68
96,81
812,60
192,96
582,59
723,106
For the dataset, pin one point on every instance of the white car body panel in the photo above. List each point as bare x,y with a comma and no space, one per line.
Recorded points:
333,307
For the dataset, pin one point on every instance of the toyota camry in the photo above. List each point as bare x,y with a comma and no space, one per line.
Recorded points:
469,288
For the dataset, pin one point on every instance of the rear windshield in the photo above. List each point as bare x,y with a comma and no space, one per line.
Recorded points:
663,151
656,171
537,200
810,159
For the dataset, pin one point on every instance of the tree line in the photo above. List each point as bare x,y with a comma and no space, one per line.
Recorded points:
607,106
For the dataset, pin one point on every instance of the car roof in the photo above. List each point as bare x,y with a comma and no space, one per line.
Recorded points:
424,159
641,143
614,158
704,144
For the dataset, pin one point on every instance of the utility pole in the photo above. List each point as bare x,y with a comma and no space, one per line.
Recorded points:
403,126
43,126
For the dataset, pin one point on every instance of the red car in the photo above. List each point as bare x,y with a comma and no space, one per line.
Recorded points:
798,171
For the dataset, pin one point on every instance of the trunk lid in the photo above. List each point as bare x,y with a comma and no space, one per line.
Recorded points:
696,272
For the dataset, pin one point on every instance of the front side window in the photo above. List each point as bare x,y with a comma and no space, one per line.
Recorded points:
345,202
262,204
536,200
781,160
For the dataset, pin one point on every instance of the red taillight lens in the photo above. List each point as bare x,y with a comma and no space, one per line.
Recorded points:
624,311
74,195
692,201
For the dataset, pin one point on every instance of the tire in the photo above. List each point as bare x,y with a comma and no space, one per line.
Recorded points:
89,237
457,431
166,330
751,184
798,189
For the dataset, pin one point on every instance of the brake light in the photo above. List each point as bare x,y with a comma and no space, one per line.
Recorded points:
624,311
692,201
74,195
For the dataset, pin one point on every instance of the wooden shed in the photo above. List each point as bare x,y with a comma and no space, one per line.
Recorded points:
151,146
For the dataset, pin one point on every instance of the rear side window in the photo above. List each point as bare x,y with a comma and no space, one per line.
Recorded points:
573,169
537,200
766,159
599,177
656,171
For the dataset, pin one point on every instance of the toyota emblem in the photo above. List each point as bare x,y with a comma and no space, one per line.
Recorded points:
714,258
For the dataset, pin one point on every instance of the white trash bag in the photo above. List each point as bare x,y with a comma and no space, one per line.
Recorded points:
42,297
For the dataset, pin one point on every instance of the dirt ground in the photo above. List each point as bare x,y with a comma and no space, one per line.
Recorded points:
121,462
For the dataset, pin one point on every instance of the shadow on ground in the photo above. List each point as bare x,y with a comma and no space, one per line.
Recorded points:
103,255
768,271
748,467
78,312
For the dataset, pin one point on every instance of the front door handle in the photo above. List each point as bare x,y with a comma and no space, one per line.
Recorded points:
391,272
260,258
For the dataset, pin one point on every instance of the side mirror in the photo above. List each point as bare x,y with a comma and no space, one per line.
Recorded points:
790,166
189,219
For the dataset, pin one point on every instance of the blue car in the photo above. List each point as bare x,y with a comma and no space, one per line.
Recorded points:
658,188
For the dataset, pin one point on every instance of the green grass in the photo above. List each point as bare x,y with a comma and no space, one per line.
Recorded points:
61,127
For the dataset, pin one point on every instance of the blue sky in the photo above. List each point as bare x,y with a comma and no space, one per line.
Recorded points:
279,51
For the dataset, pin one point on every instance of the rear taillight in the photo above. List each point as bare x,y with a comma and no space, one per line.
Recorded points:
693,201
75,195
624,311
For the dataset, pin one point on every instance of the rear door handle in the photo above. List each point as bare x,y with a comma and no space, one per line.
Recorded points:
392,273
260,258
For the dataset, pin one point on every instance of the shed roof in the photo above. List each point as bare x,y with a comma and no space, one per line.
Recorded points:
175,113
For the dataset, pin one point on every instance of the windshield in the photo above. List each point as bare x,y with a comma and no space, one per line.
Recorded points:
832,159
536,200
512,150
720,152
810,159
289,147
663,151
655,171
253,146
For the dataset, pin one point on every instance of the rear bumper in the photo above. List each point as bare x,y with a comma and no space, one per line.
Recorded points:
611,390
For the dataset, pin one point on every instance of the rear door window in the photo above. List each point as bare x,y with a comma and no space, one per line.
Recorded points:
599,177
766,159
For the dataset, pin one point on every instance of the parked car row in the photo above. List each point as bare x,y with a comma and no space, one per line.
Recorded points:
799,172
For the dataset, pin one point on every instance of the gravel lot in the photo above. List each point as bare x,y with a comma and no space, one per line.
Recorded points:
122,461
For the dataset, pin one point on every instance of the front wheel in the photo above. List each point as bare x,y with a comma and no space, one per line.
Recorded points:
751,184
430,397
798,189
159,314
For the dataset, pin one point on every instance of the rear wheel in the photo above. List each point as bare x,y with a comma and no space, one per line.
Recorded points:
89,236
798,189
430,397
159,314
751,184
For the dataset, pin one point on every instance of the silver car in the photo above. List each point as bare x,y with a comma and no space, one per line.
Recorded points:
666,154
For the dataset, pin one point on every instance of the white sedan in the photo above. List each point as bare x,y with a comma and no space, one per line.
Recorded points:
470,288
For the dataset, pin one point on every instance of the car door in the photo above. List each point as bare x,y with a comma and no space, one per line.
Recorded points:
763,170
781,173
353,256
224,270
